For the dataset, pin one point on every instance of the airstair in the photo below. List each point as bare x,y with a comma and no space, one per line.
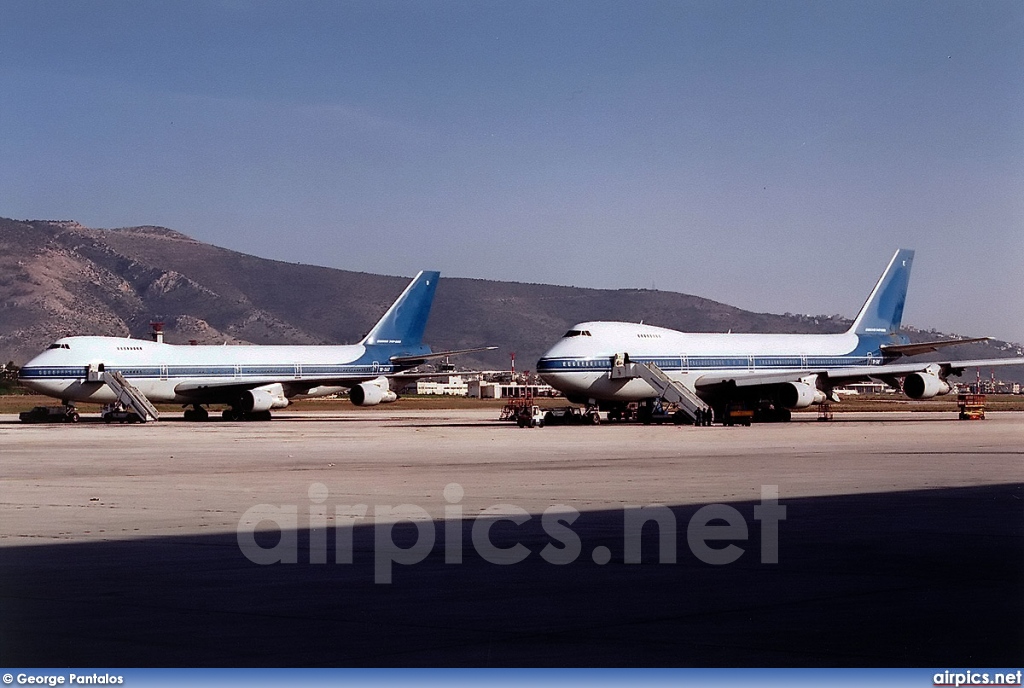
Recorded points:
130,396
665,387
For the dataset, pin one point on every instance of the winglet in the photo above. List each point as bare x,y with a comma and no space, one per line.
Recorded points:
882,313
407,318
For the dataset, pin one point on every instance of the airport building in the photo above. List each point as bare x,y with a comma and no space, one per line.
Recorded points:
454,386
481,389
866,388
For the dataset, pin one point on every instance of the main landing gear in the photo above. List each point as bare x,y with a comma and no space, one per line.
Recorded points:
235,415
197,413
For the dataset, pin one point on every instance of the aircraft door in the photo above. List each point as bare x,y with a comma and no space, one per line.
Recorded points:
94,372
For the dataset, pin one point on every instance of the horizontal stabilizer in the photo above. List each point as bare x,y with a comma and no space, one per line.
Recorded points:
410,377
421,358
926,347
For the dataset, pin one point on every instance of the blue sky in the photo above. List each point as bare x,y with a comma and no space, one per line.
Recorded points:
771,155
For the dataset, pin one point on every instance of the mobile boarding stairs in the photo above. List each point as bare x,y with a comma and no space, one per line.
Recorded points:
665,387
127,394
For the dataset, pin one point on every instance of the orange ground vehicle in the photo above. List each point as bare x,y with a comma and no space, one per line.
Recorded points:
972,406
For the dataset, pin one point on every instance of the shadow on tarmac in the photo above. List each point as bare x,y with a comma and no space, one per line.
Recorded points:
921,578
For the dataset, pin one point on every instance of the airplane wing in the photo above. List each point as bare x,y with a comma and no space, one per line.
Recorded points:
851,374
229,389
292,387
926,347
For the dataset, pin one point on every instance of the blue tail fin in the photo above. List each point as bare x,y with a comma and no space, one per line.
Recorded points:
407,318
883,311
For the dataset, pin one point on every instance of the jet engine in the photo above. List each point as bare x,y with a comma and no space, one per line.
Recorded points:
372,393
924,386
262,399
799,395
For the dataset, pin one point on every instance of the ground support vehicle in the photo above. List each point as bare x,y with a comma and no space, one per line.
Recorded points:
50,414
530,417
116,413
972,406
738,414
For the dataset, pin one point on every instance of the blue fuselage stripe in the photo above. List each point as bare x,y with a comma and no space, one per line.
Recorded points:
867,352
691,363
229,371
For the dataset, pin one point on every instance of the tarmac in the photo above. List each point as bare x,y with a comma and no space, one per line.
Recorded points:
900,542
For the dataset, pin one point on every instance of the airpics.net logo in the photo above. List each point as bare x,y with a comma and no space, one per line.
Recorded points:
714,532
977,678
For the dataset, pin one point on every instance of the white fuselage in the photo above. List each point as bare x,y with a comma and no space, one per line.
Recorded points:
579,364
173,373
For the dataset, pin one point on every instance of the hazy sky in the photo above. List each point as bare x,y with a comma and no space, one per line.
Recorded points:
771,155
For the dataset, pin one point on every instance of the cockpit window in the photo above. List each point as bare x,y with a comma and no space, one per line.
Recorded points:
577,333
58,346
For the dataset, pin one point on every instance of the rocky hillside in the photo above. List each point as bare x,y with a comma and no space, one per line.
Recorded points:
59,278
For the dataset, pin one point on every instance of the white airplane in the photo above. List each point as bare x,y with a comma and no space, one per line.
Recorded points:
769,373
252,380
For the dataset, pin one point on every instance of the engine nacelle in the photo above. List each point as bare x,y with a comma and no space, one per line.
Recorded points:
263,399
924,386
372,393
796,395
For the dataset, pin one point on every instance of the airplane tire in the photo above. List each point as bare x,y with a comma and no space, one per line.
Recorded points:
229,415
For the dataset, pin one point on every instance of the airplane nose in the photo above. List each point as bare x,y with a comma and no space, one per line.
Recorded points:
33,385
24,372
544,364
28,379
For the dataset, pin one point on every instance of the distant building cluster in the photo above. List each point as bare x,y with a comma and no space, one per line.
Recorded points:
991,385
490,385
